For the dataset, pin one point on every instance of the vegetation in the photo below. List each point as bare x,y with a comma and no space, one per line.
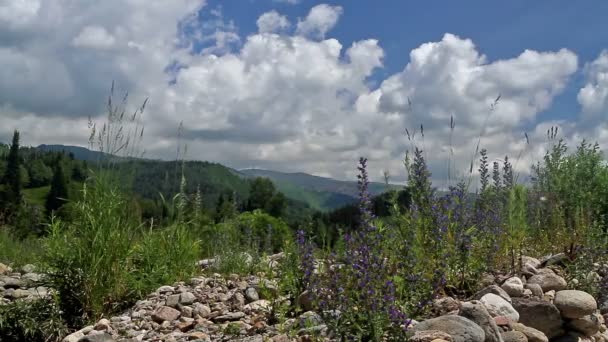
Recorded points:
108,232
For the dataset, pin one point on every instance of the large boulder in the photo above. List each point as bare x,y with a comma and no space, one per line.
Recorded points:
430,336
477,312
548,280
498,306
460,328
575,304
539,315
588,325
513,286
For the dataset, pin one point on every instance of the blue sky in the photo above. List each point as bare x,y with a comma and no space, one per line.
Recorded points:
303,85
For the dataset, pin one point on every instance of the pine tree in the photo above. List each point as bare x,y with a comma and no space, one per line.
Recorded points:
59,190
12,176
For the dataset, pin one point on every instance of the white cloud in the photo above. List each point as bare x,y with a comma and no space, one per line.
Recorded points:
291,2
320,20
95,37
294,102
272,22
593,97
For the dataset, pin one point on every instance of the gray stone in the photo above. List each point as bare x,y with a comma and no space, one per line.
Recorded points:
559,259
532,334
251,295
513,286
165,313
536,290
29,268
495,289
531,261
232,316
430,336
548,280
575,304
514,336
12,283
498,306
445,305
165,289
187,298
477,313
588,325
172,300
539,315
309,319
460,328
103,337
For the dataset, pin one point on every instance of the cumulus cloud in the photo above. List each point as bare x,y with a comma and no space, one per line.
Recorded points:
292,102
320,20
271,22
593,97
95,37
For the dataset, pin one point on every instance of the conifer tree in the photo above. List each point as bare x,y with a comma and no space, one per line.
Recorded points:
59,190
12,176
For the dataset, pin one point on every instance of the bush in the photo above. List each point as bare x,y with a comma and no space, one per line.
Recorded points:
38,320
103,261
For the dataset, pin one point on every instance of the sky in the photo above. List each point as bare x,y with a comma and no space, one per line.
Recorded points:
310,86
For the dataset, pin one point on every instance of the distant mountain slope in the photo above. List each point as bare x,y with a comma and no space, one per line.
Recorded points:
80,153
319,192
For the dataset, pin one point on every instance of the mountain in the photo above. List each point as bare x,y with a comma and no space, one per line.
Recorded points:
320,193
80,153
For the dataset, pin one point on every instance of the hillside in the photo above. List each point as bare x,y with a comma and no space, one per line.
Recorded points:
319,192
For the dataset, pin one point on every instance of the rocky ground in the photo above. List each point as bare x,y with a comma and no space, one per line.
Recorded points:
534,306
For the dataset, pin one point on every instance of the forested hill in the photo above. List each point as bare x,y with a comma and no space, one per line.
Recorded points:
320,193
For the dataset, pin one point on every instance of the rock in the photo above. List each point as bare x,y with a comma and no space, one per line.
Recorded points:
4,269
514,336
165,313
29,268
12,283
531,261
430,336
460,328
549,296
103,324
103,337
172,300
575,304
199,336
232,316
548,281
528,270
495,289
74,337
539,315
532,334
588,325
309,318
498,306
165,289
445,305
477,313
20,293
503,321
536,290
559,259
186,298
514,287
305,301
251,295
261,305
202,310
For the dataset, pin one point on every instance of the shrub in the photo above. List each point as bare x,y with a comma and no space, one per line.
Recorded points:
38,320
